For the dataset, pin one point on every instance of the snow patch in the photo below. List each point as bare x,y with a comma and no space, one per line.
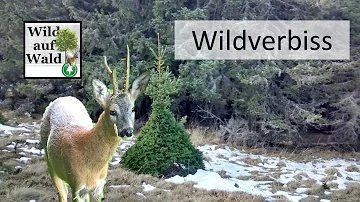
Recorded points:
119,186
24,160
176,179
32,141
301,190
141,195
7,129
33,150
148,187
115,161
235,164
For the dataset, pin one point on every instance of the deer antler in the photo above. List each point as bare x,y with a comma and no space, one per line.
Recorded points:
112,75
127,75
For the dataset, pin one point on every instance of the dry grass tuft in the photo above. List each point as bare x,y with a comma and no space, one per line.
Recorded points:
203,135
251,161
316,189
220,156
352,168
244,177
206,158
280,198
33,182
120,176
276,175
300,176
223,174
3,142
234,155
262,177
9,166
281,164
291,186
331,171
329,178
276,186
309,199
14,118
333,185
351,193
308,182
25,194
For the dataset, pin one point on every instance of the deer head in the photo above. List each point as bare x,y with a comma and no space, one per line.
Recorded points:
119,105
71,57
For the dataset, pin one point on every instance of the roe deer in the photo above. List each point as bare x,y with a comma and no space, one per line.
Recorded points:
71,57
77,153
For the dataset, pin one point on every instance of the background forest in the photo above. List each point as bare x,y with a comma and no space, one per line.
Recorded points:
254,103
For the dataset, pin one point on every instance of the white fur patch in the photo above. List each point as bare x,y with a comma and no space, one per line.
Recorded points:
82,194
98,192
68,113
115,128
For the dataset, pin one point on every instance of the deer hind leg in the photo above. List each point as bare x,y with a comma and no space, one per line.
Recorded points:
61,188
60,185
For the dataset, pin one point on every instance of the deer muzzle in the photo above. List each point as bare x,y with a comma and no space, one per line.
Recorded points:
127,132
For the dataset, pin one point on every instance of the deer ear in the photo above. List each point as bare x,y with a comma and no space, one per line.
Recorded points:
139,85
100,92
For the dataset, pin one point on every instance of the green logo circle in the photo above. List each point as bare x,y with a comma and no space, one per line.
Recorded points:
69,71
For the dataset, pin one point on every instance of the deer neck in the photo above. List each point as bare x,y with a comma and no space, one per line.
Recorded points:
102,140
104,128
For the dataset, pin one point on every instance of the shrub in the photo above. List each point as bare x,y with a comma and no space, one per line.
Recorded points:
163,147
2,119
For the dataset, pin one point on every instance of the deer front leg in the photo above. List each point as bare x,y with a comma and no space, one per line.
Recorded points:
81,195
97,194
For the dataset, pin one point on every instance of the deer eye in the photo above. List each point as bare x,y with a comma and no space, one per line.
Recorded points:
133,109
113,113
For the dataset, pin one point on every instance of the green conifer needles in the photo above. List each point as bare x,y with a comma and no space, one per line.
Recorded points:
163,147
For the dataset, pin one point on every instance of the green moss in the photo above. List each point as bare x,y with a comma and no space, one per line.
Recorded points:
2,119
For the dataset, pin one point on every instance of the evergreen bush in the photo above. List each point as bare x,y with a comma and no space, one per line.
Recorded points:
163,147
